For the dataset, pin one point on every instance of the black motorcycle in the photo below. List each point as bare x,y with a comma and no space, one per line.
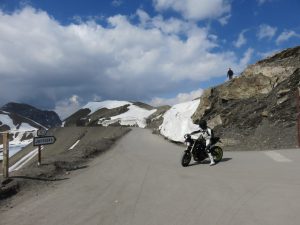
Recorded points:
196,148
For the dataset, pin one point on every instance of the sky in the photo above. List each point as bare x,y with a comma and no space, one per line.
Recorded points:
60,54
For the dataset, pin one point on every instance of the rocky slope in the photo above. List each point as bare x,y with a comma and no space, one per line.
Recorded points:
44,117
256,110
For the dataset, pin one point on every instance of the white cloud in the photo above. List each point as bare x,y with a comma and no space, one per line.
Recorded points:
286,35
224,20
261,2
241,40
195,9
266,31
181,97
66,107
247,57
46,62
117,3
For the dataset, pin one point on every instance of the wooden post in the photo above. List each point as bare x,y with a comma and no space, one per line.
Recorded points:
39,155
298,114
5,162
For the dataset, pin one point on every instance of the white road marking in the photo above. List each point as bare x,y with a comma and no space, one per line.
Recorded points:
73,146
277,156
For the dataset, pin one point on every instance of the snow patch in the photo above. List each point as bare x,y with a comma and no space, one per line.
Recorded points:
109,104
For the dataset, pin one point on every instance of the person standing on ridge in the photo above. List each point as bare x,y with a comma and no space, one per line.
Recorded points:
230,74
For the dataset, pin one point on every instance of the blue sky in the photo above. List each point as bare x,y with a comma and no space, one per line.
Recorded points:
59,54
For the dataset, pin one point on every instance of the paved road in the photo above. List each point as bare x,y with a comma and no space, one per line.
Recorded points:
141,182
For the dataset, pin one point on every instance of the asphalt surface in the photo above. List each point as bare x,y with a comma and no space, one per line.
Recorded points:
141,182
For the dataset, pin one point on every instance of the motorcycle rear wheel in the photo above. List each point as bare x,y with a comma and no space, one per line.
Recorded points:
217,153
186,159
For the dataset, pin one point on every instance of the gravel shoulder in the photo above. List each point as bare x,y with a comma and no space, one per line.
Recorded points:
59,162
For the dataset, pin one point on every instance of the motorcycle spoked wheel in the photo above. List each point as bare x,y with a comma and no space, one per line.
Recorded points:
186,159
217,153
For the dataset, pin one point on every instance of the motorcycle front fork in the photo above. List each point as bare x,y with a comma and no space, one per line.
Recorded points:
190,149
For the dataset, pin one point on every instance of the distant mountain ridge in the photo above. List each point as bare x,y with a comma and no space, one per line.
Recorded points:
43,117
111,113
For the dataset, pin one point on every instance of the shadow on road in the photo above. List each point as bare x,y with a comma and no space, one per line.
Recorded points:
226,159
38,178
207,162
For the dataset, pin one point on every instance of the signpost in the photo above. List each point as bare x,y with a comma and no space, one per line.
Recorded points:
40,140
41,132
5,162
298,114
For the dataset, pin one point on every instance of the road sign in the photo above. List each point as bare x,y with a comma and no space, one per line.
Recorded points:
42,132
45,140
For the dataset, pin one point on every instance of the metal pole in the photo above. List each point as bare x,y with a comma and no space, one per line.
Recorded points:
5,162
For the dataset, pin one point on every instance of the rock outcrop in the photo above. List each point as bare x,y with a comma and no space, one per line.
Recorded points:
256,110
156,119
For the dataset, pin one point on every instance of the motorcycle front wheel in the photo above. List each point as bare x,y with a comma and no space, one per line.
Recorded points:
217,153
186,159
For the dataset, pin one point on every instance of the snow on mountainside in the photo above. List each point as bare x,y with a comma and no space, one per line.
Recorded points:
21,131
95,106
107,113
172,122
177,121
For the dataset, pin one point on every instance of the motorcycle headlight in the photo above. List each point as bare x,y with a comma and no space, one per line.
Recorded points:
188,143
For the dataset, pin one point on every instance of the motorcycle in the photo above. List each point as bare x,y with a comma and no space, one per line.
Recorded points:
196,149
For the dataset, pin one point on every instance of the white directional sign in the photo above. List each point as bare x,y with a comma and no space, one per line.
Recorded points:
45,140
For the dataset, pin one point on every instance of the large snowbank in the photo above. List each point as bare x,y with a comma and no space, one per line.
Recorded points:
177,121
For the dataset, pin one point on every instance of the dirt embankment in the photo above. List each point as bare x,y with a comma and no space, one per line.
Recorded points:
58,160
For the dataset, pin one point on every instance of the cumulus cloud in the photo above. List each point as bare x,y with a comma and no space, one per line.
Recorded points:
181,97
66,107
266,31
286,35
195,9
241,40
45,62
